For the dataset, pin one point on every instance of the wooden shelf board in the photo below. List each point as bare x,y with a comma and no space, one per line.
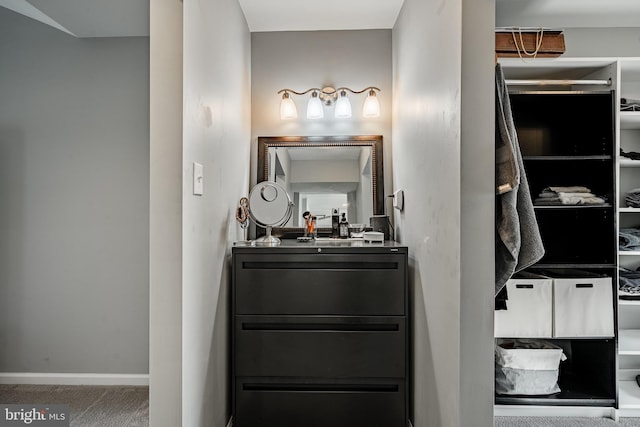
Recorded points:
552,266
600,206
629,253
571,158
629,210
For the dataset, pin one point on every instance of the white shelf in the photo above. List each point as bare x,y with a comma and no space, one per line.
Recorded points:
629,342
629,119
628,163
629,339
629,395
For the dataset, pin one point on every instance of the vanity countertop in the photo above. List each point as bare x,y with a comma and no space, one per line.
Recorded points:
321,245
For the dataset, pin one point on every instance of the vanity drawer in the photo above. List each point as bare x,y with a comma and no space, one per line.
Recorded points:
295,403
315,346
322,284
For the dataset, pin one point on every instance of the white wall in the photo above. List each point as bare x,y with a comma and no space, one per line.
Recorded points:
602,42
426,157
477,200
216,123
320,171
74,185
165,214
301,60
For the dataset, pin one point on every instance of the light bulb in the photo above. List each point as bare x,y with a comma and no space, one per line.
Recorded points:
287,108
314,107
371,105
343,106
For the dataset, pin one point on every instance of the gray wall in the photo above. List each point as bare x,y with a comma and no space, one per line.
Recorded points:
477,260
301,60
602,42
165,214
74,167
217,134
429,88
426,154
580,41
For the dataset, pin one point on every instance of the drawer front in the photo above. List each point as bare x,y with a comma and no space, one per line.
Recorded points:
322,284
326,404
320,346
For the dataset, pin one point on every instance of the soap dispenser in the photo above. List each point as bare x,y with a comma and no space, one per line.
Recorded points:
344,227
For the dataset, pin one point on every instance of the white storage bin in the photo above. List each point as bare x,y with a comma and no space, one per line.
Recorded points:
583,307
528,367
529,310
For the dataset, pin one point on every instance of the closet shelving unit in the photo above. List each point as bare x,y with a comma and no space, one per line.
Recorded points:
628,178
567,137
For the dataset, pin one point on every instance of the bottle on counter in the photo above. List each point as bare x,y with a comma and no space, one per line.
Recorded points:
335,223
344,227
313,230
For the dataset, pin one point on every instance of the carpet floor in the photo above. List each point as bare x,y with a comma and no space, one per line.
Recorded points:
99,406
563,422
118,406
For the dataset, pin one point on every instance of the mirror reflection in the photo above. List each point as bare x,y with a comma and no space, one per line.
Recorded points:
320,179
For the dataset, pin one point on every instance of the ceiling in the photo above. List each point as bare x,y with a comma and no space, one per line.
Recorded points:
88,18
308,15
121,18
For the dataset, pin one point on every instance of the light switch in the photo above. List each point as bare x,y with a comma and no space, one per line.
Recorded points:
198,179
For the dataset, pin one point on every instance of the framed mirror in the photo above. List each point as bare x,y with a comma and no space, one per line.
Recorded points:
323,173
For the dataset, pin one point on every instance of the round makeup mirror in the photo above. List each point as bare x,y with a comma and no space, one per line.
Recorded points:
269,206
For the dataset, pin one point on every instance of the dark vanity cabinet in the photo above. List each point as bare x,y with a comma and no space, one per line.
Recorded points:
320,335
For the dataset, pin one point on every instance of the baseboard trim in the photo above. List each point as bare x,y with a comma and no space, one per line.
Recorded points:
73,379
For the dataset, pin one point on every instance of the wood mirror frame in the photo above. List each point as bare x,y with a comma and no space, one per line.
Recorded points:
377,177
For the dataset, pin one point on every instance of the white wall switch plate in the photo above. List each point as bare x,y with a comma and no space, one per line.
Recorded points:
198,179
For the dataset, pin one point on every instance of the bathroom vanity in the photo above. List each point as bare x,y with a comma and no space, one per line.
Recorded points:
320,335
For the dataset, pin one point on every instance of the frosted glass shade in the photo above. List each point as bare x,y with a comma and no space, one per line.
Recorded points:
287,108
371,105
314,107
343,106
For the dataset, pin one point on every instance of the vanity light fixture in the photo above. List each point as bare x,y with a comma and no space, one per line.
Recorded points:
288,108
343,106
371,105
329,96
314,107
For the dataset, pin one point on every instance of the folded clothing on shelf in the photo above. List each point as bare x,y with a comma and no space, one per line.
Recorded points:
632,198
633,155
575,195
629,104
629,239
628,284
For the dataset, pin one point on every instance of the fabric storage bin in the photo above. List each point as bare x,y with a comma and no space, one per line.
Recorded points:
527,367
529,310
583,307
